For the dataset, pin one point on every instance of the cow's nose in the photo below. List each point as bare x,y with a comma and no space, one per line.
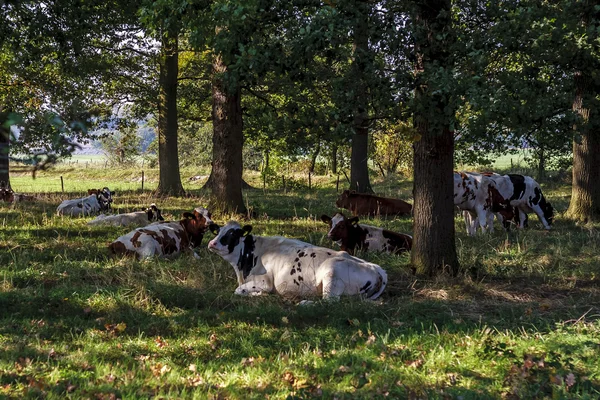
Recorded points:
211,245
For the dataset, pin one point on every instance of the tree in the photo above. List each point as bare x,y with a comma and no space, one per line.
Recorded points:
585,194
434,247
168,156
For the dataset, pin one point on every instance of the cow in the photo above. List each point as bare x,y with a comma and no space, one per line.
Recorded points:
164,239
368,204
9,196
138,218
292,268
525,195
86,206
479,198
351,236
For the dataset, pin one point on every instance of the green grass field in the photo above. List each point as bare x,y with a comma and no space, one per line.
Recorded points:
520,322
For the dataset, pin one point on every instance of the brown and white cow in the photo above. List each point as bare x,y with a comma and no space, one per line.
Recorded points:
479,198
368,204
292,268
138,218
525,195
164,238
350,236
9,196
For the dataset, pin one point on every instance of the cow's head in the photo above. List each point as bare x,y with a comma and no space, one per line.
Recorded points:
339,226
104,197
228,238
548,211
154,213
343,200
195,224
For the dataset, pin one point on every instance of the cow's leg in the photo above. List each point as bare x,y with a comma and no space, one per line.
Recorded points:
522,217
470,223
482,219
253,288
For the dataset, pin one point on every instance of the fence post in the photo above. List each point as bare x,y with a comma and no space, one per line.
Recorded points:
142,180
62,184
309,181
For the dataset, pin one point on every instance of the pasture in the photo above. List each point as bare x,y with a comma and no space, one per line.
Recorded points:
520,321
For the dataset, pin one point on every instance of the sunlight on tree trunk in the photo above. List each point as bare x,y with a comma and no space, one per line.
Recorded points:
170,178
585,191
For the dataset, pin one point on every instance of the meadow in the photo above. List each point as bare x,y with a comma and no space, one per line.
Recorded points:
520,321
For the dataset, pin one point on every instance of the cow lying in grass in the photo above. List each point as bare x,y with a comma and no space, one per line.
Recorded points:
9,196
352,236
368,204
138,218
292,268
86,206
165,238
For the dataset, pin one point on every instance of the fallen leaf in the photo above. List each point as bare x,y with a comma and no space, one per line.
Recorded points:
370,340
414,364
289,377
192,367
285,320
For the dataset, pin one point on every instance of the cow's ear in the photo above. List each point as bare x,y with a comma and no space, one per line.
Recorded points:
112,193
353,220
326,218
246,229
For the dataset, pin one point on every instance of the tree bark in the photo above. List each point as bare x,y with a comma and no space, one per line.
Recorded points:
334,162
168,156
225,179
541,174
359,168
4,150
434,247
585,191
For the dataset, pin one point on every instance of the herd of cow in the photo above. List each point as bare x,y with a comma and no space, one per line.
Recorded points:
292,268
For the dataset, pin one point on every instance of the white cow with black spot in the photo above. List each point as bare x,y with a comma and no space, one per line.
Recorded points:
86,206
292,268
136,218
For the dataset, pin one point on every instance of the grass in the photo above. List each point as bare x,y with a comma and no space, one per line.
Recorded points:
521,321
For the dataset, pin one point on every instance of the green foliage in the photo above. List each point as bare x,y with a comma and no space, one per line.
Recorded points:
121,146
392,148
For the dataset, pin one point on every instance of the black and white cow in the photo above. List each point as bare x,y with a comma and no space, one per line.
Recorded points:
165,238
86,206
477,195
350,236
525,195
138,218
292,268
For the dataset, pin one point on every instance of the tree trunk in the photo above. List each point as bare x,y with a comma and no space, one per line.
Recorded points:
225,179
434,247
313,159
4,150
359,168
334,161
541,174
585,192
168,156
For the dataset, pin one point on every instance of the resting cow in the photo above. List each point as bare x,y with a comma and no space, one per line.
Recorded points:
525,195
291,268
351,236
138,218
165,238
9,196
86,206
368,204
